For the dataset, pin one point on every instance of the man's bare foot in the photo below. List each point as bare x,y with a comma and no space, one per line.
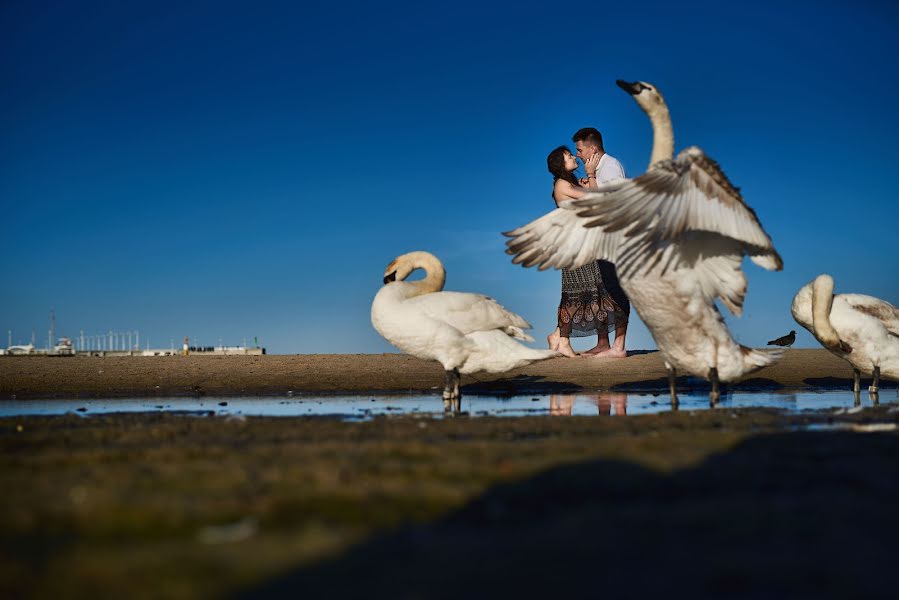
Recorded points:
597,349
611,353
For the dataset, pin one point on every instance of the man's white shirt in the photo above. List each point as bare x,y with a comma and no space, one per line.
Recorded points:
609,169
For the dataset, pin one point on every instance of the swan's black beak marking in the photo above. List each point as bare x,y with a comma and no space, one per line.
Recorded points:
631,88
389,277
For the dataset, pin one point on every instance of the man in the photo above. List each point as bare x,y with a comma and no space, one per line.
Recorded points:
588,142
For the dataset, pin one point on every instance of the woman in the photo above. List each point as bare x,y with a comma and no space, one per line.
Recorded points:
586,306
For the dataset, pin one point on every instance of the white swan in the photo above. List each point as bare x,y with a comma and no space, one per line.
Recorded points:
677,234
466,333
862,330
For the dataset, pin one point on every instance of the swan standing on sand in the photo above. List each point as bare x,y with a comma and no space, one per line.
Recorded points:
862,330
466,333
678,235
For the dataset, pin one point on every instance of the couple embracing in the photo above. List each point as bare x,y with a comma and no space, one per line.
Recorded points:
592,299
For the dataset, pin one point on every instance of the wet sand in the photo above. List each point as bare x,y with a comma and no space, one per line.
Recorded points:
72,377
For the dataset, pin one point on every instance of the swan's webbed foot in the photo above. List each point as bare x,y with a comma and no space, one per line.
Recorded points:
714,395
452,397
447,390
874,397
672,386
875,385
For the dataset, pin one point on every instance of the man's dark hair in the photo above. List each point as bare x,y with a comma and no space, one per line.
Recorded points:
590,135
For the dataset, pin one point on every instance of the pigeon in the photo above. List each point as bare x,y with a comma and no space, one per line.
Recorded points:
786,340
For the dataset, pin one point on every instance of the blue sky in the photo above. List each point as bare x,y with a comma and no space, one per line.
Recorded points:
226,170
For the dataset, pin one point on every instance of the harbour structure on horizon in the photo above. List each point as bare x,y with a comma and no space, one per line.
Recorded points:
115,343
65,347
171,351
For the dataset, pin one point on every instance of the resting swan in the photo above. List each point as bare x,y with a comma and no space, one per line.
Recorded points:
464,332
678,235
862,330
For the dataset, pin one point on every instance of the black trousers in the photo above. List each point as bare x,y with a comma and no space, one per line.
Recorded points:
613,286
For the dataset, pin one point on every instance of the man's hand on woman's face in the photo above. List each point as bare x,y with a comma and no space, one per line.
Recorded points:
591,163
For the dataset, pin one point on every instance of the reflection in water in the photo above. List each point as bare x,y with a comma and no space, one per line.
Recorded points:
873,397
605,402
365,407
560,405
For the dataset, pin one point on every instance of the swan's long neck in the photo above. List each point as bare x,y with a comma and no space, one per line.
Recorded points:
822,301
436,274
662,134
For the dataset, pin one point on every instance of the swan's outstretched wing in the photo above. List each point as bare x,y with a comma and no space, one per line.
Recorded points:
716,268
681,214
689,193
470,312
881,310
559,239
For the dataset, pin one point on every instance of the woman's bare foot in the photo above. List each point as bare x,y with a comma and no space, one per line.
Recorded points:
597,349
611,353
553,339
564,348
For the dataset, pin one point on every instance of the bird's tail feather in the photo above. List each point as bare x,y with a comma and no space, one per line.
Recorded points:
518,333
531,356
495,351
757,358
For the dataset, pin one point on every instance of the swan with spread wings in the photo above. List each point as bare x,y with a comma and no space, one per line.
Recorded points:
678,235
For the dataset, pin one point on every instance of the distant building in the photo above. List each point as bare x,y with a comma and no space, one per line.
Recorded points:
21,349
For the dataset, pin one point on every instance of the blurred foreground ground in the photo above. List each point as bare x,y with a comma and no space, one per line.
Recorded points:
750,502
753,503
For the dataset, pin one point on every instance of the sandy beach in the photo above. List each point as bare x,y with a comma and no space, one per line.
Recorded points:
85,377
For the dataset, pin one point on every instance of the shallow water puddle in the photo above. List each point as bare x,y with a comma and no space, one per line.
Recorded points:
358,407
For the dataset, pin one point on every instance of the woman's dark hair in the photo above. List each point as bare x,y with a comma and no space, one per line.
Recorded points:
555,162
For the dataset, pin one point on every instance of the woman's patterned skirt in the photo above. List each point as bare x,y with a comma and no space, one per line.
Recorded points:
593,302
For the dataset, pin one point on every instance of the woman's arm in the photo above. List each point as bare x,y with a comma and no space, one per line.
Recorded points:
564,190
